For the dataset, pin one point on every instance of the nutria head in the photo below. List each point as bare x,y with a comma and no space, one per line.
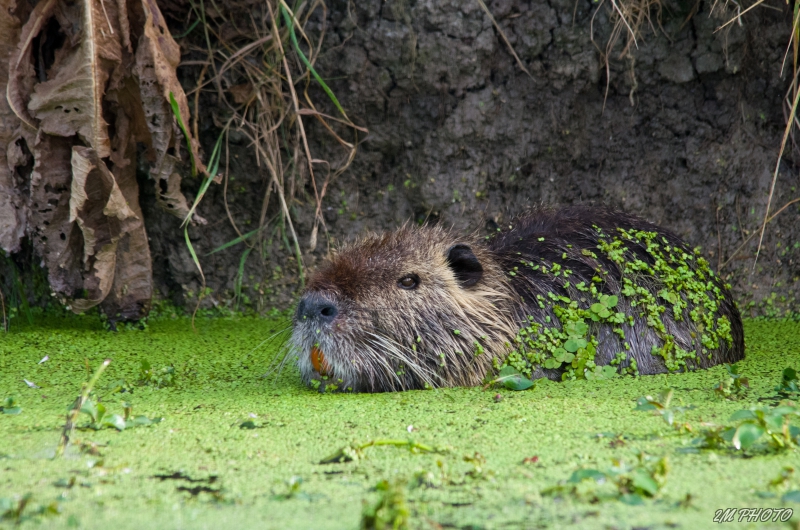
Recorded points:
414,308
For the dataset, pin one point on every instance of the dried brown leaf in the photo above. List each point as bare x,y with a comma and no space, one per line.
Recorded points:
104,217
157,58
242,93
132,290
72,101
12,212
124,24
56,239
21,75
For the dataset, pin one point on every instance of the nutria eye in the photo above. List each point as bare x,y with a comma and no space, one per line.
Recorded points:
408,282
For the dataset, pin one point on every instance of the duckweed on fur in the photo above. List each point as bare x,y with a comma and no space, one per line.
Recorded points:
672,280
236,450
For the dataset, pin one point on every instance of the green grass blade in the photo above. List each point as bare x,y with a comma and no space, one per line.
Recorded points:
213,166
236,241
177,112
194,25
289,22
237,285
193,253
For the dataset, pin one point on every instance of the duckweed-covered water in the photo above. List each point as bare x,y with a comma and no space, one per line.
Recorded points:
237,450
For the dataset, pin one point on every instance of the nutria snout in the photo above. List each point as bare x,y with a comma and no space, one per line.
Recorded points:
556,293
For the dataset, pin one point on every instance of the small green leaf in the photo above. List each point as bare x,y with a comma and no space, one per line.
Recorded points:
143,421
552,363
631,499
10,407
586,474
774,422
597,308
642,480
645,404
101,412
742,415
90,408
784,410
791,496
746,435
577,329
116,421
794,432
513,380
728,434
611,301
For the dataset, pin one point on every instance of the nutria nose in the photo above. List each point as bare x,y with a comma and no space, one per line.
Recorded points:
316,307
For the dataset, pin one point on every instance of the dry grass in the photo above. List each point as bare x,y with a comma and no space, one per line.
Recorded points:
629,17
260,65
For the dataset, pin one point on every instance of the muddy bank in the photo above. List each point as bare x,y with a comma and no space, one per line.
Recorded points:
682,129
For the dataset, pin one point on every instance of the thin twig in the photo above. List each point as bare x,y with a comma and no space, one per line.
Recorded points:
739,16
751,236
505,39
786,132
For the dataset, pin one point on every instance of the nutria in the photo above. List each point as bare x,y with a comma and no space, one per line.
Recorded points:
557,293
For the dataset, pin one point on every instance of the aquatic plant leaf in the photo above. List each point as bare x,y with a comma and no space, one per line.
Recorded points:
586,474
746,435
513,379
774,422
645,403
784,410
89,407
572,344
10,407
143,421
345,454
642,480
743,415
116,421
791,496
631,499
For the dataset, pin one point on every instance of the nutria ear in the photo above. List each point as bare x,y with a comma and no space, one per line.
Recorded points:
465,265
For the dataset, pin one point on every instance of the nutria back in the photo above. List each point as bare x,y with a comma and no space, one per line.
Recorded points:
558,293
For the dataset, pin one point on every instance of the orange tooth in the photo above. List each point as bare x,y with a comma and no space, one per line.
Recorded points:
318,361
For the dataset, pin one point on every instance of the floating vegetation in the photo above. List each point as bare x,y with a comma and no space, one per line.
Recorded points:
658,283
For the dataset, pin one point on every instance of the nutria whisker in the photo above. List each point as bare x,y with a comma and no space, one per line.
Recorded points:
277,362
403,355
